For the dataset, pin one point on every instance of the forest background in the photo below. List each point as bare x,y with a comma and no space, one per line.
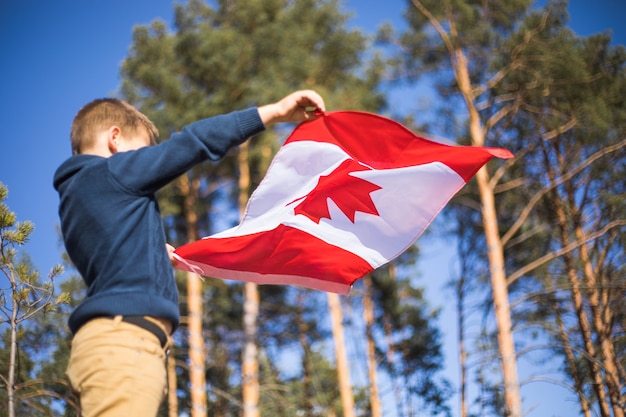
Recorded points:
59,56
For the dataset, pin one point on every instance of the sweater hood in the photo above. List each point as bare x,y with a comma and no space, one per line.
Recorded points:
70,167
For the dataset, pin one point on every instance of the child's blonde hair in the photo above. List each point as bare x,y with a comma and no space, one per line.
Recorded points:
103,113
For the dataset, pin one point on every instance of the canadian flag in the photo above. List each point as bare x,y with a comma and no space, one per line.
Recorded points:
346,193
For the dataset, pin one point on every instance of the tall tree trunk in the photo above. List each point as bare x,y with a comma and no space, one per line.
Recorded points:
10,381
172,398
307,365
460,309
595,372
401,404
343,372
569,352
495,251
250,363
371,347
577,296
197,365
602,322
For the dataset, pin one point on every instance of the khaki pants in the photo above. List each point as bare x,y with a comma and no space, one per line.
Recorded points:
117,369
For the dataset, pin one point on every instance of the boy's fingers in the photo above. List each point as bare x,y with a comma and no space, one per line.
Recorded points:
170,253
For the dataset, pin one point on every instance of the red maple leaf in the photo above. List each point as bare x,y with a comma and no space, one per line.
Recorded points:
350,194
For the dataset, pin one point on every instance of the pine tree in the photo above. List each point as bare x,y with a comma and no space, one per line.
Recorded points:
529,84
24,298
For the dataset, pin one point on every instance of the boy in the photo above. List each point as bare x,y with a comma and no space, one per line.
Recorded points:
113,233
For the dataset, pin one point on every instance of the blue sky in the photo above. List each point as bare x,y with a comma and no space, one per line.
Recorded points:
58,55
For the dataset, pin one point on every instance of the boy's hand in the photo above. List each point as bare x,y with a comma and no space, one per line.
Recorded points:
296,107
170,252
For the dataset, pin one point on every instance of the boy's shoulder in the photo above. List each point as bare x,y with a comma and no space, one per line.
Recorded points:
71,166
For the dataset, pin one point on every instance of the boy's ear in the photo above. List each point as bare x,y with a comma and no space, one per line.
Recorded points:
113,139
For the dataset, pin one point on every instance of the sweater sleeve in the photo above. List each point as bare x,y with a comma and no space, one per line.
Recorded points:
145,170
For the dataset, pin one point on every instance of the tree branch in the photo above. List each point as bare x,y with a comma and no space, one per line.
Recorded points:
514,63
559,130
553,255
500,114
442,32
539,195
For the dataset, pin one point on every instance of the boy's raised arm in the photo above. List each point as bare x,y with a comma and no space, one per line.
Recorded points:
293,108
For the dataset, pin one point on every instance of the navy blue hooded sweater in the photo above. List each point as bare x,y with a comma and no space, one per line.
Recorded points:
111,223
